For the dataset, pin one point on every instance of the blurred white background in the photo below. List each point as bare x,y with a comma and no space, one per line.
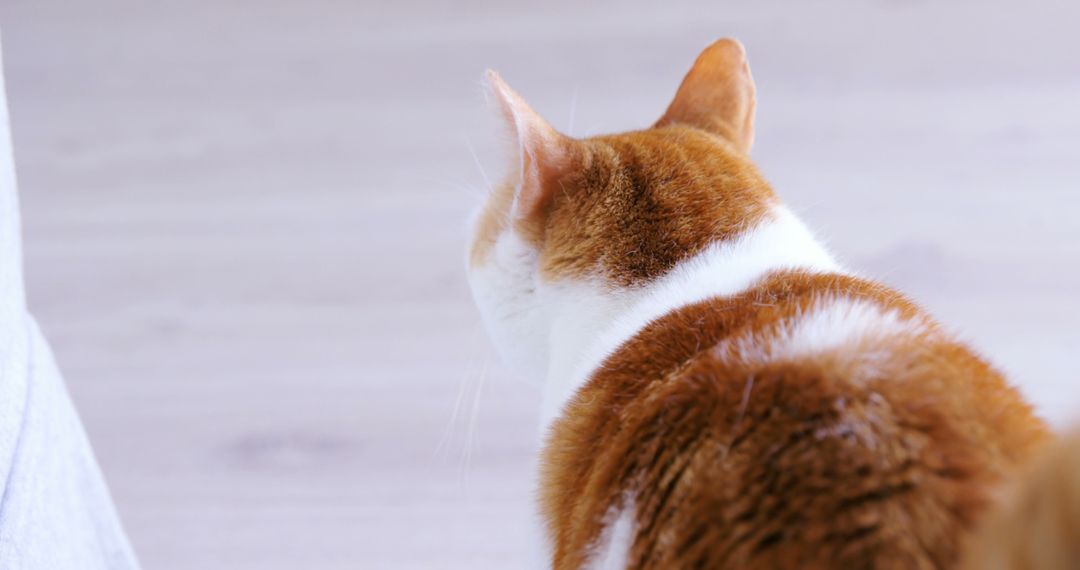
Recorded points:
245,220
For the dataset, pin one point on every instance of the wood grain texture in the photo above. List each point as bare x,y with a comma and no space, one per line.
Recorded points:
244,231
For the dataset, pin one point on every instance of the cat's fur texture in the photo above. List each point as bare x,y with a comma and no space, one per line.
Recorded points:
719,392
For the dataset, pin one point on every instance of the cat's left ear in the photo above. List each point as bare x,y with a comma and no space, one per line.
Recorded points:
543,154
717,95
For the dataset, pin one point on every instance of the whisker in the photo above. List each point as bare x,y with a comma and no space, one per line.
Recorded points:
480,167
442,451
470,438
573,113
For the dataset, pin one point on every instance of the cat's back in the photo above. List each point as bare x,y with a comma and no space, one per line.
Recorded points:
813,420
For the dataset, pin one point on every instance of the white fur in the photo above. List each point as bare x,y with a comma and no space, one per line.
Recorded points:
612,549
830,325
507,290
723,269
561,332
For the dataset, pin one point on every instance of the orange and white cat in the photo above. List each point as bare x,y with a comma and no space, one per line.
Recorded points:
718,391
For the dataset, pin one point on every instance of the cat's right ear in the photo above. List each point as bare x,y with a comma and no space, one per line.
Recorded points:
542,154
717,95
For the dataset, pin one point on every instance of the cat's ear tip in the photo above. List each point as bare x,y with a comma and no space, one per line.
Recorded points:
497,87
717,94
726,47
734,42
494,81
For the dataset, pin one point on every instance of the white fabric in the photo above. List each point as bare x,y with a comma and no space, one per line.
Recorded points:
55,510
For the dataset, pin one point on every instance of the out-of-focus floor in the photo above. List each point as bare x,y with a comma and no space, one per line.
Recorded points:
244,227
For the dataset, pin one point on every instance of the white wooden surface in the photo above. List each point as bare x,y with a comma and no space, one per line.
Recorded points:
244,225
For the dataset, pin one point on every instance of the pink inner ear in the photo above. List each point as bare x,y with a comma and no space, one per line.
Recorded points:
717,95
543,152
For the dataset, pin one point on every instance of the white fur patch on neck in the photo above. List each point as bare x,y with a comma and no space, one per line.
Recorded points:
781,242
516,317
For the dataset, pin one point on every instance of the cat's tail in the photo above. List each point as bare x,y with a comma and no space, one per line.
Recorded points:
1036,526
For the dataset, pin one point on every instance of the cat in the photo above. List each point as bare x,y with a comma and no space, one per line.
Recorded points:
718,392
1036,524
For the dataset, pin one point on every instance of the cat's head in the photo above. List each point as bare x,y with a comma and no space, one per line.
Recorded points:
580,223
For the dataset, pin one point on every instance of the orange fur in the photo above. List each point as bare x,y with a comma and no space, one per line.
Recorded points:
813,461
782,465
717,95
1037,526
637,203
646,200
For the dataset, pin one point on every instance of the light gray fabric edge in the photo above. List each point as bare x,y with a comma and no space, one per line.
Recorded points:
55,509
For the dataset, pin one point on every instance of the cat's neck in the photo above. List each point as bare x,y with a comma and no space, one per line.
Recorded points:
589,322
